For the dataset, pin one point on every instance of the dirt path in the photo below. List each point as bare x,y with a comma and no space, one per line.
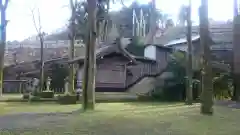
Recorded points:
228,103
23,121
15,123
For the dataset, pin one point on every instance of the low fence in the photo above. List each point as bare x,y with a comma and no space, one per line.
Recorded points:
21,86
58,90
14,86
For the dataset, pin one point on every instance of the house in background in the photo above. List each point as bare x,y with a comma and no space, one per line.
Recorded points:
221,37
182,45
120,71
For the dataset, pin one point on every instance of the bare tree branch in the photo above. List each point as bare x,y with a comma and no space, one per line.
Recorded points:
39,22
38,28
5,4
71,5
121,1
34,21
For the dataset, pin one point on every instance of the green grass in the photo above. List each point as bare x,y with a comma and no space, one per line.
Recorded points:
100,97
130,119
38,107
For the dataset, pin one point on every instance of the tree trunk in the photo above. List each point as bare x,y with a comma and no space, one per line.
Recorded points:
236,55
235,8
2,48
189,96
90,59
207,86
3,41
149,39
72,49
42,63
234,96
71,71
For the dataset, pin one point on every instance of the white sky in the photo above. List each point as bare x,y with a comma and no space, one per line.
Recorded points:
54,14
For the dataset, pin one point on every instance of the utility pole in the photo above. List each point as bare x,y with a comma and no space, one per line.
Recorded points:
72,36
189,56
3,8
207,86
90,58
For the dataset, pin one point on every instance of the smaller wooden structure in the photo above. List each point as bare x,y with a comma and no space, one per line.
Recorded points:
118,70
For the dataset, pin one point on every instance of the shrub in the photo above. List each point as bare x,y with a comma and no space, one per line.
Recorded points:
144,98
67,99
34,99
25,96
170,93
35,93
47,94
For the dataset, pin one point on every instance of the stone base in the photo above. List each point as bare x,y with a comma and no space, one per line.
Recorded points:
67,99
205,110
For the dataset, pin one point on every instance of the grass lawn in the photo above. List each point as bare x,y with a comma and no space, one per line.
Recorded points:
127,119
26,107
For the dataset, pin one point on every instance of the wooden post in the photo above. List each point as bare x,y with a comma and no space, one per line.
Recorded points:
189,95
3,8
90,59
207,86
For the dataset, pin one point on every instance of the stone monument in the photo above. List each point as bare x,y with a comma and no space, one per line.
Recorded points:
66,80
48,84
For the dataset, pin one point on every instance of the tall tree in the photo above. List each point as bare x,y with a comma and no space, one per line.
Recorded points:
72,35
153,24
182,15
207,86
38,26
235,8
102,19
81,21
189,92
90,58
3,7
235,91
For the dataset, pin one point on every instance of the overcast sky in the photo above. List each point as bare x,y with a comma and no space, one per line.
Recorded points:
55,13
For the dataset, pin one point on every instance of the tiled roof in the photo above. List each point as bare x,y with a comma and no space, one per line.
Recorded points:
220,34
181,40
